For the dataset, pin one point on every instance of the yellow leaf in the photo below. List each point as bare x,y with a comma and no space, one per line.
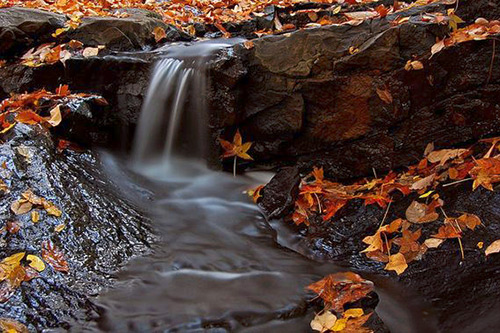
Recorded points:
90,52
35,216
12,326
414,65
480,245
51,209
35,262
5,130
397,263
159,34
354,313
59,31
425,195
60,227
339,325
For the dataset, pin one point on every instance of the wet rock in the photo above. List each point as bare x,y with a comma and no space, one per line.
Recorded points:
306,98
279,195
101,230
23,28
134,32
460,292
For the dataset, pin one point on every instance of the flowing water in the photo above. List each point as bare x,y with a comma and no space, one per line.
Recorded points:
218,266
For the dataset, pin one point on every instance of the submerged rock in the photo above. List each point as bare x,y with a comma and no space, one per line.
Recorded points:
98,230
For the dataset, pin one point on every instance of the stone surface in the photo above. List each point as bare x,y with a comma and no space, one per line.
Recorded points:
22,28
102,230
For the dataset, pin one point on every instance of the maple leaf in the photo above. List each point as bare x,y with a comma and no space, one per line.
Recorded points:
375,242
338,289
159,34
255,193
236,149
54,257
448,231
468,221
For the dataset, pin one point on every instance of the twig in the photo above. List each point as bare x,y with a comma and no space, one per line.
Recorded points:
385,215
492,61
319,203
374,172
458,182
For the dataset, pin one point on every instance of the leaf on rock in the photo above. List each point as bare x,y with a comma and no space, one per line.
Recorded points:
433,243
54,257
11,326
21,206
323,322
420,213
493,248
468,221
35,216
444,155
35,262
397,263
448,231
55,116
159,34
385,95
338,289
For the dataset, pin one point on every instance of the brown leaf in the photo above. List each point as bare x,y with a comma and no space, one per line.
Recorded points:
444,155
159,34
21,206
493,248
341,288
385,95
54,257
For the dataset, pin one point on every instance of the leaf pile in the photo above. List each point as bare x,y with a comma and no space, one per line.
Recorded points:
50,53
337,291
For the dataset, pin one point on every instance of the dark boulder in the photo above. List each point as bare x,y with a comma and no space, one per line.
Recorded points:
102,230
22,28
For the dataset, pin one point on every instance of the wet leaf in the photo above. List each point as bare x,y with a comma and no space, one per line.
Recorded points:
236,148
21,206
414,65
51,209
448,231
433,243
54,257
385,95
341,288
90,52
468,221
444,155
420,213
35,262
35,216
13,227
60,227
11,326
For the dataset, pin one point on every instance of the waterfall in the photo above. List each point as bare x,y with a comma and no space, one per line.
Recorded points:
173,122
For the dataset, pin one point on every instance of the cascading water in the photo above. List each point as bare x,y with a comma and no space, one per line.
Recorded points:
217,266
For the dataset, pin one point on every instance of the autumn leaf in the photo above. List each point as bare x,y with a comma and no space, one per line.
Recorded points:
414,65
420,213
444,155
236,149
323,322
54,257
35,216
90,52
55,116
35,262
433,243
159,34
397,263
468,221
28,117
12,326
338,289
493,248
21,206
448,231
13,227
385,95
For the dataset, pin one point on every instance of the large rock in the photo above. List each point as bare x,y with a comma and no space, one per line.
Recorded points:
22,28
102,230
304,97
134,32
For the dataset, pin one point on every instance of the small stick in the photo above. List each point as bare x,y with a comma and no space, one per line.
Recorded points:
458,182
374,172
319,203
492,61
385,215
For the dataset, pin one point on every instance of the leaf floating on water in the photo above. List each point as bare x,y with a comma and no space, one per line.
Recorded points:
54,257
493,248
35,262
323,322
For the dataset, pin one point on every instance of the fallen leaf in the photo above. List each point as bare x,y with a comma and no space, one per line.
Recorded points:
469,221
51,209
420,213
90,52
11,326
493,248
433,243
21,206
323,322
414,65
35,262
341,288
54,257
13,227
55,116
159,34
397,263
60,227
480,245
385,95
35,216
444,155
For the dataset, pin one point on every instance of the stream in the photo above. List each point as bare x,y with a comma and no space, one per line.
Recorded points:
219,266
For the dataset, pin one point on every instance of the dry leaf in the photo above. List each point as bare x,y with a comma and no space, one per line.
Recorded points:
323,322
385,95
397,263
414,65
35,216
90,52
21,206
433,243
493,248
159,34
55,116
35,262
